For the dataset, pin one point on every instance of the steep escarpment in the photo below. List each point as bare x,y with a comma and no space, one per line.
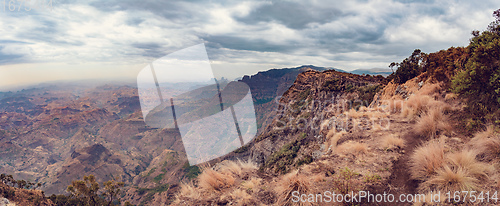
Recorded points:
313,98
268,86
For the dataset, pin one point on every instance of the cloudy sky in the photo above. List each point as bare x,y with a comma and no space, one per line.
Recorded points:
117,38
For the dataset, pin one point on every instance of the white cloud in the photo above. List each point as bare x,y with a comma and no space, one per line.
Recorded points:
342,34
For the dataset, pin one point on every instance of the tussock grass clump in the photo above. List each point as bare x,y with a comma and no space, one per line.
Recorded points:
427,159
252,185
241,197
488,143
432,122
363,109
237,168
488,133
395,106
333,137
466,160
189,190
221,179
392,142
354,114
450,96
441,171
352,147
211,180
429,89
417,104
451,179
293,181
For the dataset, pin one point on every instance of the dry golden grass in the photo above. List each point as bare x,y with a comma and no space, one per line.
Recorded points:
230,167
451,179
488,143
374,114
450,96
429,89
212,181
333,138
395,106
354,114
241,197
252,184
418,104
432,122
236,168
457,171
489,147
415,105
363,109
222,182
466,159
352,147
293,181
427,159
391,142
248,165
331,133
189,191
489,132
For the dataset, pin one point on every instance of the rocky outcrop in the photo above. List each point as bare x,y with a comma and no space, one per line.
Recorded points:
313,98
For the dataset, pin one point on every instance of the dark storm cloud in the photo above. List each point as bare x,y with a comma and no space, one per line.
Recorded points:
241,43
48,31
9,58
172,10
324,31
150,49
291,14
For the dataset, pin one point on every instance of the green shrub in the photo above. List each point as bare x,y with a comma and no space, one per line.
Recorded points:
281,159
408,68
305,160
479,80
159,177
191,171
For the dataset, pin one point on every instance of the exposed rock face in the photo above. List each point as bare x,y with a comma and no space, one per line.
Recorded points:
269,85
313,98
61,134
11,196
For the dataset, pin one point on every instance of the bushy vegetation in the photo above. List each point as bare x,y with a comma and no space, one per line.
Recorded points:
443,64
337,85
151,192
191,171
88,192
409,67
283,158
82,192
22,184
367,93
479,79
472,72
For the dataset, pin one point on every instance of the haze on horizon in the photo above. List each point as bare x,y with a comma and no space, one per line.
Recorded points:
115,39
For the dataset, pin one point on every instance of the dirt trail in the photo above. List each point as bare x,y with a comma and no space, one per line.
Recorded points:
399,181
